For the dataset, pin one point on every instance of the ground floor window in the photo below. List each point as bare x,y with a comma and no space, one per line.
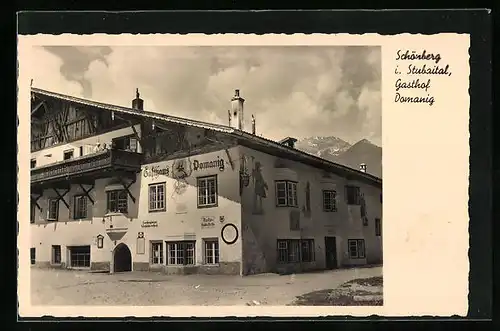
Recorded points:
157,252
356,248
79,256
211,252
33,255
56,254
181,253
295,250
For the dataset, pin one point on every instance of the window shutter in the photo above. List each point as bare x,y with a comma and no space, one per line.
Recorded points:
71,208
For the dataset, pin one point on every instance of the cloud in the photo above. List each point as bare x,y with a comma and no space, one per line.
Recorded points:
292,91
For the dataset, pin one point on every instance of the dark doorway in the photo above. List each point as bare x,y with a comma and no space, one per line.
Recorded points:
331,252
122,259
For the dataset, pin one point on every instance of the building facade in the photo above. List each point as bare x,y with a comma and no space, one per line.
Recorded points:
120,189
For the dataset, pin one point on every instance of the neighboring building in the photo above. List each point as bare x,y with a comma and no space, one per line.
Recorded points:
187,196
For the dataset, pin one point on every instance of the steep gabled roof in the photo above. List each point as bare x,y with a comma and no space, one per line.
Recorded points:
251,139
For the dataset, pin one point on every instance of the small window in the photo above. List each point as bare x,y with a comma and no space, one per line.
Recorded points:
329,201
207,192
356,248
117,201
157,197
181,253
53,210
353,195
33,255
211,255
295,250
56,254
157,253
33,163
80,207
378,227
68,155
80,149
286,193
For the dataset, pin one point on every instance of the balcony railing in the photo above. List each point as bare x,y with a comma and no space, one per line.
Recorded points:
92,163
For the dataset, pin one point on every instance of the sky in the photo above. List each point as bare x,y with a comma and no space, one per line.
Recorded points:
297,91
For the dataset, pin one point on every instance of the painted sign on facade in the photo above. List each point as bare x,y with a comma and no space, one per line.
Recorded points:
149,224
207,222
155,171
203,165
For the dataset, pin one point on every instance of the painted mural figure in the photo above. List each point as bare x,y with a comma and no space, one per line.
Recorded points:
260,187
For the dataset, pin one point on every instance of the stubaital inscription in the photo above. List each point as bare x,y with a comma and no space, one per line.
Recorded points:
417,68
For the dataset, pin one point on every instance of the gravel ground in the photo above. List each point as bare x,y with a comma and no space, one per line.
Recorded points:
66,287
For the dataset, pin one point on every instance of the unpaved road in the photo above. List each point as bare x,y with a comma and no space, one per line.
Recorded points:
65,287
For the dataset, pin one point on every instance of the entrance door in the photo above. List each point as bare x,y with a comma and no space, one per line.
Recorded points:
331,252
122,258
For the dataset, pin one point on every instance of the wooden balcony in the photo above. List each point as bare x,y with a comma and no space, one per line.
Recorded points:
87,168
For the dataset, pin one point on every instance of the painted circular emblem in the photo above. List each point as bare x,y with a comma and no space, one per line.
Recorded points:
229,233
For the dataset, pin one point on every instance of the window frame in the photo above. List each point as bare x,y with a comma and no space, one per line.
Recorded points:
117,192
68,152
157,201
53,255
206,179
333,201
184,246
357,199
33,255
49,202
285,256
71,260
378,227
33,163
161,258
291,193
360,248
215,248
76,211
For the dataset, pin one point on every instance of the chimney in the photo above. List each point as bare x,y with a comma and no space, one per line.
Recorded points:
236,115
362,167
253,124
137,103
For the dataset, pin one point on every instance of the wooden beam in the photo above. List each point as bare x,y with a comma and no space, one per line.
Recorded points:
61,197
127,187
86,192
35,201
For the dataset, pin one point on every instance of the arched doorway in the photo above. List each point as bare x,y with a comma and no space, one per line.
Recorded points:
122,258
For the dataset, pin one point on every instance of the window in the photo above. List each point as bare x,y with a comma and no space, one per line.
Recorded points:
181,253
329,201
157,253
33,255
295,250
353,196
33,163
157,197
68,155
211,252
378,227
32,212
128,143
117,201
56,254
80,150
286,194
53,211
79,256
380,197
80,207
356,248
207,191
